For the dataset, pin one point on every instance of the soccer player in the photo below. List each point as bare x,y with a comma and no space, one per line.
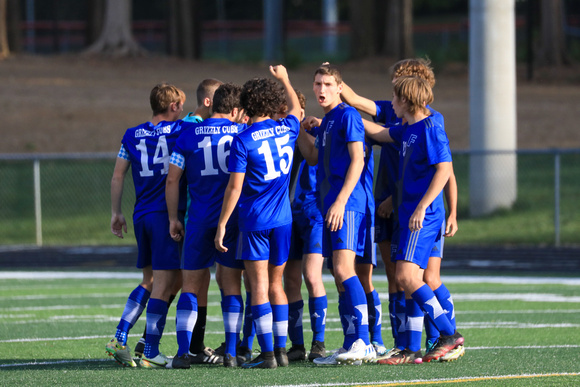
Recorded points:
204,93
146,149
260,163
305,257
386,216
201,153
339,153
424,170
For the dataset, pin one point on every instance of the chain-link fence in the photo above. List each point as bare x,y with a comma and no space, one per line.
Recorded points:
64,199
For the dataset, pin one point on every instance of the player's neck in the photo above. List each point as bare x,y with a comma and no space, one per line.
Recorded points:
334,104
255,119
414,118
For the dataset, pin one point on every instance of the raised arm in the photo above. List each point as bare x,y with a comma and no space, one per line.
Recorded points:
279,72
118,222
377,132
358,102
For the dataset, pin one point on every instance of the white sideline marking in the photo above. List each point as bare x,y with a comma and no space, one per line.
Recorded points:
379,277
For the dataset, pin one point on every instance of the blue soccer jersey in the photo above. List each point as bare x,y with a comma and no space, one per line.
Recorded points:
264,152
148,147
341,125
424,144
202,151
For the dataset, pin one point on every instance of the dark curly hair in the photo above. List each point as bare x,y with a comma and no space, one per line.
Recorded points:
262,97
226,98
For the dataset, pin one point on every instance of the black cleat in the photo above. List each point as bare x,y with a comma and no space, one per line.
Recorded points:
317,350
181,362
297,353
263,360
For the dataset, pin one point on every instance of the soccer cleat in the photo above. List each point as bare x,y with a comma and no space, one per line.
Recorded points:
281,357
331,360
121,353
207,356
230,361
263,360
390,353
244,354
221,350
140,347
358,351
405,356
380,349
444,345
159,361
297,353
181,362
317,350
454,354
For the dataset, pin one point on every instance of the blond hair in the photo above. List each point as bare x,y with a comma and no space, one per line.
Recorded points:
163,95
417,67
415,91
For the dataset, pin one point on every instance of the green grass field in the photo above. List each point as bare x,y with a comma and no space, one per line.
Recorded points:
519,332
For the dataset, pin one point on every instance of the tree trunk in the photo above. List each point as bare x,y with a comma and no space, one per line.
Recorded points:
399,29
362,28
552,44
116,38
184,29
96,20
4,50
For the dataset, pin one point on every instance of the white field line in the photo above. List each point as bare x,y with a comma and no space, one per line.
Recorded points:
378,277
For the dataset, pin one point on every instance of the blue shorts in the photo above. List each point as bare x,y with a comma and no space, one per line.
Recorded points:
306,234
199,250
272,245
437,249
370,251
154,244
350,237
383,228
417,246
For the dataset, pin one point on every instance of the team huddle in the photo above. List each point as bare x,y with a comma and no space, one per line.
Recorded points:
223,187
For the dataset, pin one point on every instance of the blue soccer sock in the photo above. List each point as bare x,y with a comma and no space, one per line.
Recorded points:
263,320
355,296
233,312
446,301
133,309
431,332
414,324
427,301
375,311
346,321
295,330
156,316
401,316
185,318
280,325
317,308
249,330
392,315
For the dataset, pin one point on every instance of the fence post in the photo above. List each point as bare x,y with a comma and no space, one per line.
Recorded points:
37,203
557,198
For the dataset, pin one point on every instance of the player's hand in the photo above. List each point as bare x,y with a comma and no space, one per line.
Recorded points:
176,230
335,216
118,225
279,72
219,239
451,226
416,220
311,122
385,208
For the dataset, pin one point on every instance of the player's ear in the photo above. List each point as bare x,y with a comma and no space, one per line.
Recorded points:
207,102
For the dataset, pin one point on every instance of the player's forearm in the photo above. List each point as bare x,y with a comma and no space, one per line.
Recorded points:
360,103
172,199
451,194
116,195
307,148
231,197
440,178
377,132
353,174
